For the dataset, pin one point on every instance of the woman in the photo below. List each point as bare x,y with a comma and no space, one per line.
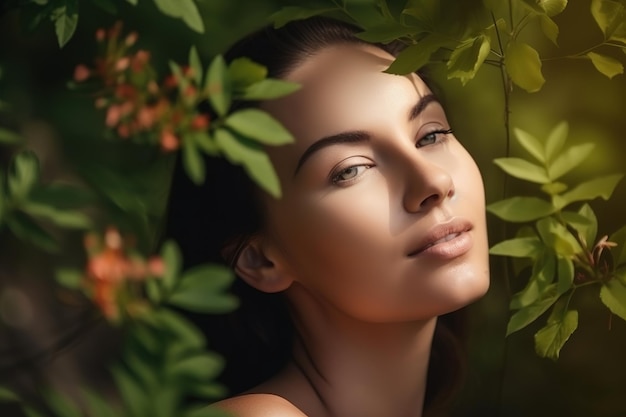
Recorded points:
380,230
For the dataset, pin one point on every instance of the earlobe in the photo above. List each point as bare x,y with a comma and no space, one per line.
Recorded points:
260,269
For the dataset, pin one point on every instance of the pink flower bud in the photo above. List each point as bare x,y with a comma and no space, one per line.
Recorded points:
122,63
131,38
81,73
113,116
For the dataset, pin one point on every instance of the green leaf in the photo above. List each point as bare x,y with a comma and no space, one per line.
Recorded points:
613,295
209,391
588,190
561,324
556,140
619,252
269,89
425,11
31,412
4,210
61,196
69,277
201,288
106,5
531,144
200,367
521,209
7,395
575,220
259,125
192,161
549,28
70,219
289,13
522,169
204,142
65,21
136,402
206,279
243,72
207,412
98,406
466,60
184,331
527,315
590,230
605,64
133,2
154,290
182,9
554,188
60,405
554,235
565,271
552,7
415,56
9,137
523,247
24,176
524,66
609,15
385,32
568,160
26,229
217,85
172,258
254,160
196,65
543,273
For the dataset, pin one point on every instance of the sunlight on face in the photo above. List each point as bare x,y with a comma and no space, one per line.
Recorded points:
382,216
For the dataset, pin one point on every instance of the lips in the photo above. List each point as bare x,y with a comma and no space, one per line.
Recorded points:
448,237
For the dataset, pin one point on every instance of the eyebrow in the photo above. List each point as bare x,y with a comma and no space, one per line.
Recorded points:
358,136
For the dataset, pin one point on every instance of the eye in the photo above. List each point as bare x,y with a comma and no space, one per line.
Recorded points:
349,173
432,137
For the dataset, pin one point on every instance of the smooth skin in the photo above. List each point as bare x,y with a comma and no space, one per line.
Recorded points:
372,183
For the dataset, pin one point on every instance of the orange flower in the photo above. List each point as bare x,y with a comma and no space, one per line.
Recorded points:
200,122
169,141
113,116
81,73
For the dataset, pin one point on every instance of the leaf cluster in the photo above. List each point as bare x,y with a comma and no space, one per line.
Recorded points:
561,248
64,14
465,38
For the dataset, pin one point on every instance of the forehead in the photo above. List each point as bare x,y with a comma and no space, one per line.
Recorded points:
344,88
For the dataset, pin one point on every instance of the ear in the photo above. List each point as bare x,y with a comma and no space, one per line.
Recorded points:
259,265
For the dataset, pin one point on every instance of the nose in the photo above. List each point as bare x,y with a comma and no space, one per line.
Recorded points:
427,185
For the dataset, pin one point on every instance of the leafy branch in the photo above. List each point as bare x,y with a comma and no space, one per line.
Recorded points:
560,248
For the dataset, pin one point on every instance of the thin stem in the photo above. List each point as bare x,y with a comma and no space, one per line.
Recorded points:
580,54
506,265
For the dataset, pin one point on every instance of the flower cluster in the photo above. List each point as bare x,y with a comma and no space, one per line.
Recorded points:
138,107
115,272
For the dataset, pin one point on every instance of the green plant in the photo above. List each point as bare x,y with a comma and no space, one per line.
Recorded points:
562,249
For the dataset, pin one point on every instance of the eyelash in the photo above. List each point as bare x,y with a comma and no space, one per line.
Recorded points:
335,178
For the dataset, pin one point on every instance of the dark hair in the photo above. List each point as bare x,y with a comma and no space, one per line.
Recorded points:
256,339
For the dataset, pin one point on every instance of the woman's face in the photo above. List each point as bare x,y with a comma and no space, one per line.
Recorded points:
382,215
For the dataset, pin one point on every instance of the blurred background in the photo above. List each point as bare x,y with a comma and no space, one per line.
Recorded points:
505,376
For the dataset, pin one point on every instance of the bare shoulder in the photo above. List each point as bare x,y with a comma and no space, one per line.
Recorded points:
259,405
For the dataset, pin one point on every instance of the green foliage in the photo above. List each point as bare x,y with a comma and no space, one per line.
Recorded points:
561,246
439,31
26,205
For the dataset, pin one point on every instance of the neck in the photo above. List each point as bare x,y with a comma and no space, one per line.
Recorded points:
346,368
